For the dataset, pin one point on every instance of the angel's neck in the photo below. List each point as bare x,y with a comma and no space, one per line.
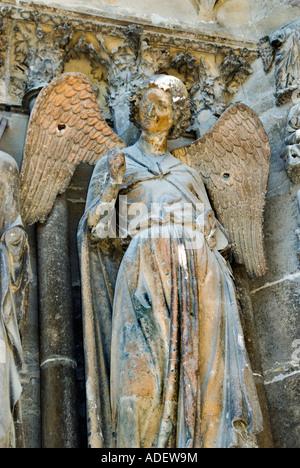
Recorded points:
155,144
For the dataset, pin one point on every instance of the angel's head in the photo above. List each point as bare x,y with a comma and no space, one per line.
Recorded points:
162,105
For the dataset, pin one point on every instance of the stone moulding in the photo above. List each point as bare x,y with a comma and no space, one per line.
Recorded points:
38,45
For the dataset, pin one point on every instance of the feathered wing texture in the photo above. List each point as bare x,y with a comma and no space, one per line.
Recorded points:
234,161
66,127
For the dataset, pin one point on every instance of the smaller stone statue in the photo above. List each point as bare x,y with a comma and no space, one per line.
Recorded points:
15,275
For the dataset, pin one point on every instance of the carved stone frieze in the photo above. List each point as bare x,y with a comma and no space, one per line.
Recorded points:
42,44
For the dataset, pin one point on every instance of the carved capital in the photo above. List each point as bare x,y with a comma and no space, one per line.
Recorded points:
37,62
235,69
115,57
132,62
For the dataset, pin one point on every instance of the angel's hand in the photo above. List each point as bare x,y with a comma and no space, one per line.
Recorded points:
13,236
116,165
208,225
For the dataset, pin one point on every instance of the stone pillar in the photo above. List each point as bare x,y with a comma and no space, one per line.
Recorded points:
58,367
250,330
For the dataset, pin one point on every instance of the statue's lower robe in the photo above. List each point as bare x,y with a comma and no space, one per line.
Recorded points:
180,372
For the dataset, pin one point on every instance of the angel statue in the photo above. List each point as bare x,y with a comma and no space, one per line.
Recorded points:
165,357
15,276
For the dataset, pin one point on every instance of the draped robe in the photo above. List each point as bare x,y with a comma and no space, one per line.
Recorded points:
14,277
166,363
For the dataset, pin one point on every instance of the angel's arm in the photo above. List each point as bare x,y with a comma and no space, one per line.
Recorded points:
108,177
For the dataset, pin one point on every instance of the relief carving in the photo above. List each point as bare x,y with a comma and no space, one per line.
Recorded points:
36,60
43,45
291,156
207,9
212,94
4,29
267,53
284,46
234,71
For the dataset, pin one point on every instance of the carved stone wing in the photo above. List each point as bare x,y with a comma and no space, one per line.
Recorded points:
234,161
66,127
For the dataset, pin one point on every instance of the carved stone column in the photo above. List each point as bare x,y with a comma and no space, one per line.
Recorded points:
58,393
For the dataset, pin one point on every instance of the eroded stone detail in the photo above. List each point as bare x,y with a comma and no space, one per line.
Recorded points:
45,44
284,46
207,9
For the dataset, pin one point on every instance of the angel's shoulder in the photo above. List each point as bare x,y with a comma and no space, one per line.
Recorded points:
101,164
182,165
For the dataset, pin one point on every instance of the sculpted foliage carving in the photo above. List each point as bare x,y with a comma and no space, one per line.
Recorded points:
44,45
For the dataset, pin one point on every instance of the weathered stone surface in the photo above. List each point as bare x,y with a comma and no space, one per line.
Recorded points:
57,362
57,37
30,376
283,398
278,330
15,277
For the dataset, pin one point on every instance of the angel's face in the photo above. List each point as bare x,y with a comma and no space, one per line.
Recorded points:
156,111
